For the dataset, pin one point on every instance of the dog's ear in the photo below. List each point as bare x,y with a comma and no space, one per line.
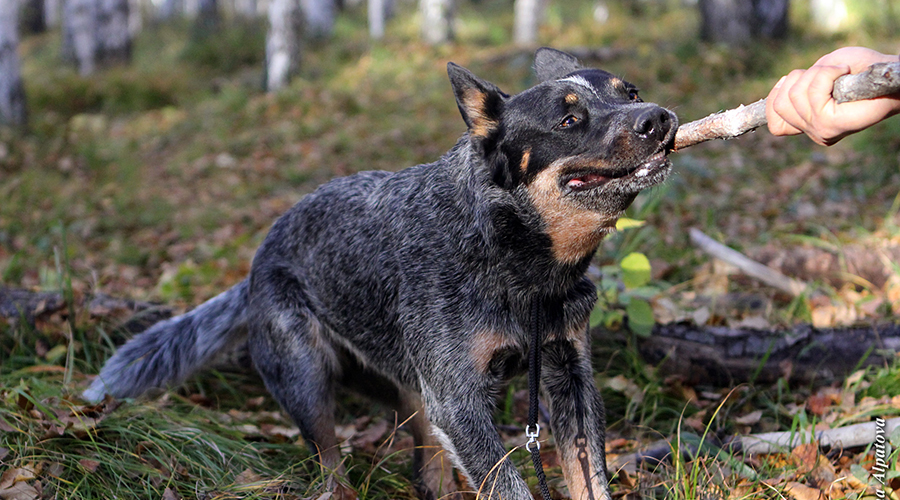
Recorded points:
552,64
479,102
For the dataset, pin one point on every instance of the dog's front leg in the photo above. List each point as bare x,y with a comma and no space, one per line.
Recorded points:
460,412
577,417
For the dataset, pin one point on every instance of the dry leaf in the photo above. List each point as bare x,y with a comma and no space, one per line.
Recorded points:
90,465
249,476
805,457
799,491
169,494
750,418
19,491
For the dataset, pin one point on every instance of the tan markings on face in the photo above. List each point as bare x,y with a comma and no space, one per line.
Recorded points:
583,481
484,345
474,101
616,82
526,157
574,231
571,99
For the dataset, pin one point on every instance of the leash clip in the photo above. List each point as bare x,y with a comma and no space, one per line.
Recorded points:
532,437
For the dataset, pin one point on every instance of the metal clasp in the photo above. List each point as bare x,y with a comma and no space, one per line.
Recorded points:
532,437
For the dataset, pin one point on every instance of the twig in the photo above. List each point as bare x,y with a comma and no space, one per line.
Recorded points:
761,444
845,437
749,267
878,80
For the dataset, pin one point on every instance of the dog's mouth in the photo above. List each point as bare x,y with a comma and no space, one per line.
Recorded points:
645,174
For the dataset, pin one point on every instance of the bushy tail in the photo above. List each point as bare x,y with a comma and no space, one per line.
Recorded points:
171,350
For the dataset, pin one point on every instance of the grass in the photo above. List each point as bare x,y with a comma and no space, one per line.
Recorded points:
157,181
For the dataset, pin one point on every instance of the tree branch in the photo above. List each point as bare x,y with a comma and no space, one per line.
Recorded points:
879,80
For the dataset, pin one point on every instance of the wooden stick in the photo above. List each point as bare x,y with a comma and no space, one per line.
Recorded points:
748,266
878,80
844,437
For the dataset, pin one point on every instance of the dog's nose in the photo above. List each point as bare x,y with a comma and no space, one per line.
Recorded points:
653,123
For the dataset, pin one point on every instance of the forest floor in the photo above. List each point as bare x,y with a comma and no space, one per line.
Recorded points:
157,181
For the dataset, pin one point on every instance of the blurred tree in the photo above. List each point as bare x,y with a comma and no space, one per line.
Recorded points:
79,27
171,8
207,18
379,11
51,13
33,20
738,22
319,16
528,14
437,20
95,33
246,8
113,33
283,42
829,15
12,93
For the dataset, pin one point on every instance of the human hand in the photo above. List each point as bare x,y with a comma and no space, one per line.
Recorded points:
801,101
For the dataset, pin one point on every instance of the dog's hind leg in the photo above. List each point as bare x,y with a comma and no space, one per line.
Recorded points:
298,367
433,468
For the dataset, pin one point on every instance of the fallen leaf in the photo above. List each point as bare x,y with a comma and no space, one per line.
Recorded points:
19,491
169,494
799,491
90,465
249,476
750,418
805,455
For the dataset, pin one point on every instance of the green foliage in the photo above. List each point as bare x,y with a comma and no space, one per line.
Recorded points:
626,286
227,49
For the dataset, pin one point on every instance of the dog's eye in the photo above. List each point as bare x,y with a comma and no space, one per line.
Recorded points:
568,121
633,95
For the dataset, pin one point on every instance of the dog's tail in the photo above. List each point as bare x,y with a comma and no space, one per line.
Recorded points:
171,350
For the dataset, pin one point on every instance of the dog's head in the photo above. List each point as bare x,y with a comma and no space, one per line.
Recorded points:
578,147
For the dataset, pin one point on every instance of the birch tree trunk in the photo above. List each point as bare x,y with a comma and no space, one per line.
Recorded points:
12,93
376,13
437,20
171,8
829,15
726,21
528,15
79,28
319,16
113,34
51,13
246,8
283,43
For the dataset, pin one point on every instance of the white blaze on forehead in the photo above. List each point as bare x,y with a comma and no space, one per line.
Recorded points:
582,81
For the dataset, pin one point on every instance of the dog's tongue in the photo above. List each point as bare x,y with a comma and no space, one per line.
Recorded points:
587,181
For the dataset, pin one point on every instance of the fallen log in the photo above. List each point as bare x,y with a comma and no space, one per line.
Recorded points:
879,80
850,436
27,306
725,356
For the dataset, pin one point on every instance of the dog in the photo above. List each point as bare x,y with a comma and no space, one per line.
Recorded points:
419,286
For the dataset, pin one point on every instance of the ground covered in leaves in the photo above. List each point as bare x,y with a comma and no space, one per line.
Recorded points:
157,181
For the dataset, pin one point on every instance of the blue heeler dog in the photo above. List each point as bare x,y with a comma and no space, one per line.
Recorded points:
418,286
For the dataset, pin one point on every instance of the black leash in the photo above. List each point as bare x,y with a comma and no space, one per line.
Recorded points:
534,382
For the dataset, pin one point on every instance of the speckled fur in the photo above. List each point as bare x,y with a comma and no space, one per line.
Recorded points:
416,286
